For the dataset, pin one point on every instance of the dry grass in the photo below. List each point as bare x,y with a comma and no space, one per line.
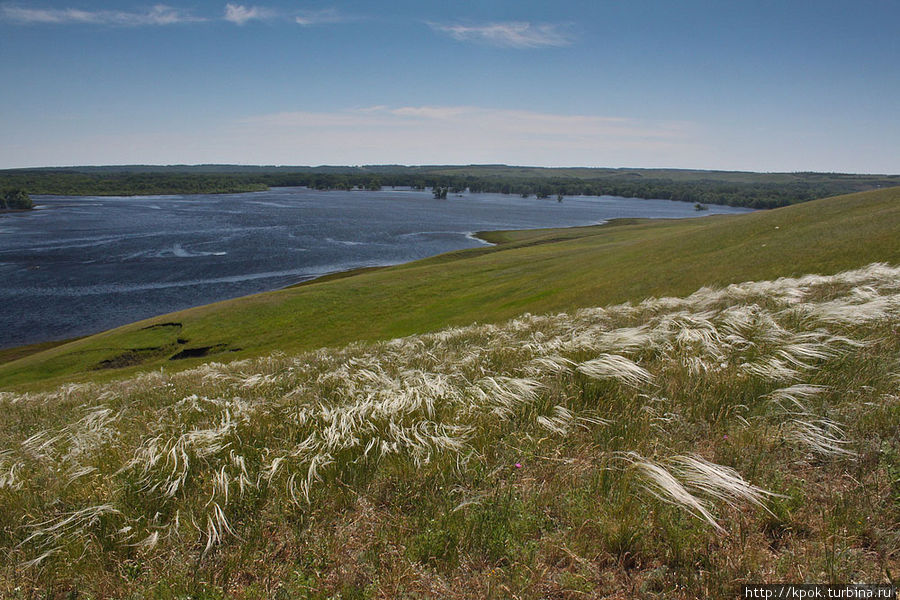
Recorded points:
672,448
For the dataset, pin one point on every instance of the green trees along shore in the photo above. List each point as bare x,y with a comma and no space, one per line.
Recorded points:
735,188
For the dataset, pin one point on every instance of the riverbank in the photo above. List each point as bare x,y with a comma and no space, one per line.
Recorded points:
10,354
542,272
490,238
86,265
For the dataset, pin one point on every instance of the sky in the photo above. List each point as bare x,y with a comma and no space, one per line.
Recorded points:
758,85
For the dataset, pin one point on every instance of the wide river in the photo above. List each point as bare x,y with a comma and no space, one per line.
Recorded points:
79,265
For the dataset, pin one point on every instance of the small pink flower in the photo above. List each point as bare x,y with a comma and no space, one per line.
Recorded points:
725,437
518,465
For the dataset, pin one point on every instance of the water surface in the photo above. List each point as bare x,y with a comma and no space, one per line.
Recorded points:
79,265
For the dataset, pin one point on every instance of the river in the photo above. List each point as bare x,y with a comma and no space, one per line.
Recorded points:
79,265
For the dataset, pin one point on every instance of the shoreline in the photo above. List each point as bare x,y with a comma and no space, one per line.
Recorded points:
13,353
344,273
488,239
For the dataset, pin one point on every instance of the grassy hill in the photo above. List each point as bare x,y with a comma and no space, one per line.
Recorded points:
633,445
536,271
676,448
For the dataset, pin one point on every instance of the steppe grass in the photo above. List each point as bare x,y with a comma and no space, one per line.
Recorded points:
674,447
540,272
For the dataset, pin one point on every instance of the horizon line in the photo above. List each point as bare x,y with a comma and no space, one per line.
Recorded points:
428,165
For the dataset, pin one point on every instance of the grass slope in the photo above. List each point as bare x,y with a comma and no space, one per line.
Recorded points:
671,449
544,271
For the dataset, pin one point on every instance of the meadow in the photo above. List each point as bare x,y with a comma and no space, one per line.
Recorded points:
655,410
669,448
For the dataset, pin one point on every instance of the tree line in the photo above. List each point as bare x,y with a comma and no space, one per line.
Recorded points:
746,194
703,187
66,183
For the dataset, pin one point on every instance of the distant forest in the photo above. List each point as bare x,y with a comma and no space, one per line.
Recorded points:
734,188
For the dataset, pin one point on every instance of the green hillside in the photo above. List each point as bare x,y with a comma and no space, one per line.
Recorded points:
675,448
667,440
534,271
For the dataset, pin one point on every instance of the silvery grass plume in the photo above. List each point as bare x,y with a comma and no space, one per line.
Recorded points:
791,399
772,369
661,484
717,481
9,469
93,430
679,480
163,463
870,308
686,329
626,339
560,421
549,364
821,436
502,396
67,528
217,527
616,367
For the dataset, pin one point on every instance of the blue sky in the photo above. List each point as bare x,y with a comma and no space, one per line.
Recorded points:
754,85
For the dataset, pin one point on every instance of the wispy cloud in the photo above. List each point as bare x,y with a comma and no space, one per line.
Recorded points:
320,17
510,34
159,14
492,121
420,134
240,14
464,134
428,112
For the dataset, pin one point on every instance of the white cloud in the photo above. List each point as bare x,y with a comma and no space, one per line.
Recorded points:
511,34
319,17
240,14
159,14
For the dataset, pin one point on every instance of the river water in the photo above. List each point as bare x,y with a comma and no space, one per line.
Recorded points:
79,265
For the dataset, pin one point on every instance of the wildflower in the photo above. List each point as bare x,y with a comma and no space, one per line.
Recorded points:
518,465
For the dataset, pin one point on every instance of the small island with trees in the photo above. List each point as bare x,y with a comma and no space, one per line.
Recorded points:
15,199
